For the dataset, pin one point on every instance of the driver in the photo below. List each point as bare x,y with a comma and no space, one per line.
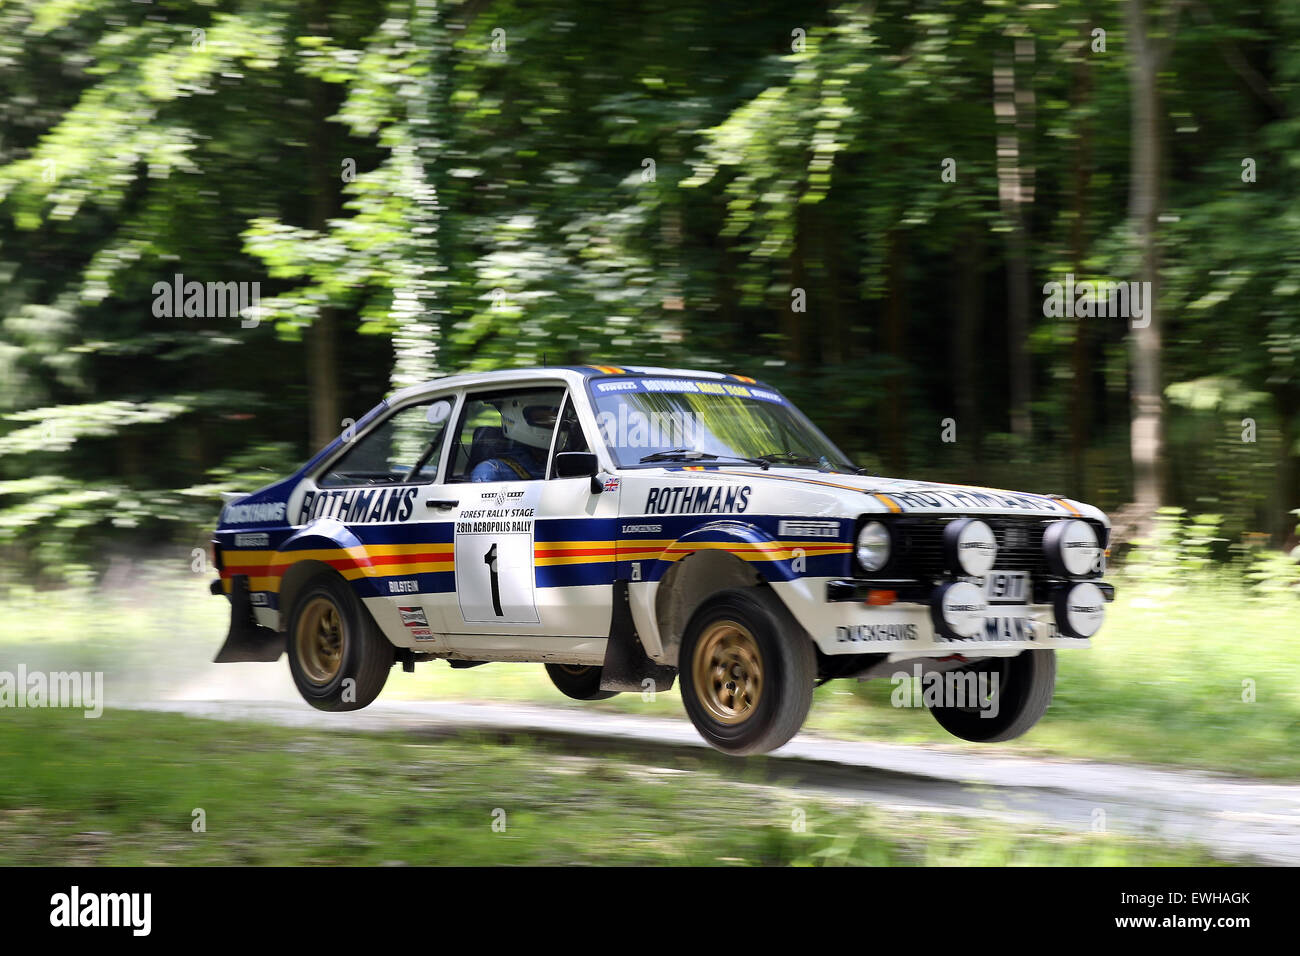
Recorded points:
527,422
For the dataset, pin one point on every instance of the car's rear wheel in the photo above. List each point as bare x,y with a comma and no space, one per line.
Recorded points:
338,657
747,672
578,681
1012,694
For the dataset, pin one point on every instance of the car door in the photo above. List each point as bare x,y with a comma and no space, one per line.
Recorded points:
576,551
534,553
386,490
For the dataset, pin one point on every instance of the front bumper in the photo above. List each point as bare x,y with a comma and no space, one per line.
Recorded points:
895,617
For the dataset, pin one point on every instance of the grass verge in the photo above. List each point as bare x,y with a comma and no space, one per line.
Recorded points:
124,790
1200,676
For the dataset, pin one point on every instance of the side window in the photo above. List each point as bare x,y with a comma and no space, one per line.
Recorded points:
505,435
406,447
569,436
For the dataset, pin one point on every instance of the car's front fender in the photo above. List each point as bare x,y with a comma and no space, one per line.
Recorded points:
711,557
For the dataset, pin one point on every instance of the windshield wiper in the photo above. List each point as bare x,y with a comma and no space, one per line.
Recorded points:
790,458
820,462
690,454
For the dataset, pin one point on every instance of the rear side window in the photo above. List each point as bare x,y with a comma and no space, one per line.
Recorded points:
405,448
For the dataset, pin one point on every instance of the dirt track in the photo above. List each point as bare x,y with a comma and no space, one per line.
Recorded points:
1234,818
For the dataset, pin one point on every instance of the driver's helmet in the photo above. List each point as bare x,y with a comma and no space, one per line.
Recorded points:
529,418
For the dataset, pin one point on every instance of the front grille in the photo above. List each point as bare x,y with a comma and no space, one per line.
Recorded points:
919,542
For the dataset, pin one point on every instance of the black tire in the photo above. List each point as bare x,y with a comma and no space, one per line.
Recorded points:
364,656
734,713
578,682
1024,690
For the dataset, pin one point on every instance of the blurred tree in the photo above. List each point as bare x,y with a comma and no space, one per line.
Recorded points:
1150,51
857,203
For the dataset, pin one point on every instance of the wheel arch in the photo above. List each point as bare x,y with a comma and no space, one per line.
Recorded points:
329,536
708,559
294,580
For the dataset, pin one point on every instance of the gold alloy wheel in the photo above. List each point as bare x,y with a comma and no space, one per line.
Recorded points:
576,670
727,670
320,640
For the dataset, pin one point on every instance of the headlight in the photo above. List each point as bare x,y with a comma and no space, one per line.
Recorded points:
1079,609
873,546
970,547
1071,547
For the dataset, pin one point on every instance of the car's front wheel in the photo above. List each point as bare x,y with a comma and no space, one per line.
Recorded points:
747,672
578,682
1002,696
338,657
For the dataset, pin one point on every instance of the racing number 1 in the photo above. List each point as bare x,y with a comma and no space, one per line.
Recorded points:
490,559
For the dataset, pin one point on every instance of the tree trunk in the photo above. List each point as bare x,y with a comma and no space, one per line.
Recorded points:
896,321
835,346
1013,107
322,336
969,294
1080,378
416,312
1147,429
793,325
1287,495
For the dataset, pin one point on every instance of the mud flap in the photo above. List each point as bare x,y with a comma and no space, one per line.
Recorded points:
627,666
247,640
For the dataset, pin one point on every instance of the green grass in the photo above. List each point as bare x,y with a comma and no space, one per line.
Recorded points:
122,790
1163,683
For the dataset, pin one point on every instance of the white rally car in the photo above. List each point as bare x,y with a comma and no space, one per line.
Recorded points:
628,525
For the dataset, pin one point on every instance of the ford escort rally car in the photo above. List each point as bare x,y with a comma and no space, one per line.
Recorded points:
627,526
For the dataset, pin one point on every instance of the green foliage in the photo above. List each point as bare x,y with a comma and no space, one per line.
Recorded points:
59,427
1187,551
1276,574
450,185
1179,551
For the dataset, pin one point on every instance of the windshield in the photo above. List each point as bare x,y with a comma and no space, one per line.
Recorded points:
649,420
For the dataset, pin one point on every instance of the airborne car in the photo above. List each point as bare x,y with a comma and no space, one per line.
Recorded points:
625,526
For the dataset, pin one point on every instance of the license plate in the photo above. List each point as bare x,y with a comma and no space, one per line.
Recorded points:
1007,627
1006,587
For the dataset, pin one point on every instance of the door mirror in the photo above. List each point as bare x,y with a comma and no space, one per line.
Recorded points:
579,464
438,412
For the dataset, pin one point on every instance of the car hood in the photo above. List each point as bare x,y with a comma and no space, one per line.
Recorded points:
859,493
912,495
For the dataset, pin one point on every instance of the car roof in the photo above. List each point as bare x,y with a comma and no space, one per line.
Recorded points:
573,375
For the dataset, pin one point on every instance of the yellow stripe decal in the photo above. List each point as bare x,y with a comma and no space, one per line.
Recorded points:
888,502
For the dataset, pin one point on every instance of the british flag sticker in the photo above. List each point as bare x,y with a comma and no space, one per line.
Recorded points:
611,484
